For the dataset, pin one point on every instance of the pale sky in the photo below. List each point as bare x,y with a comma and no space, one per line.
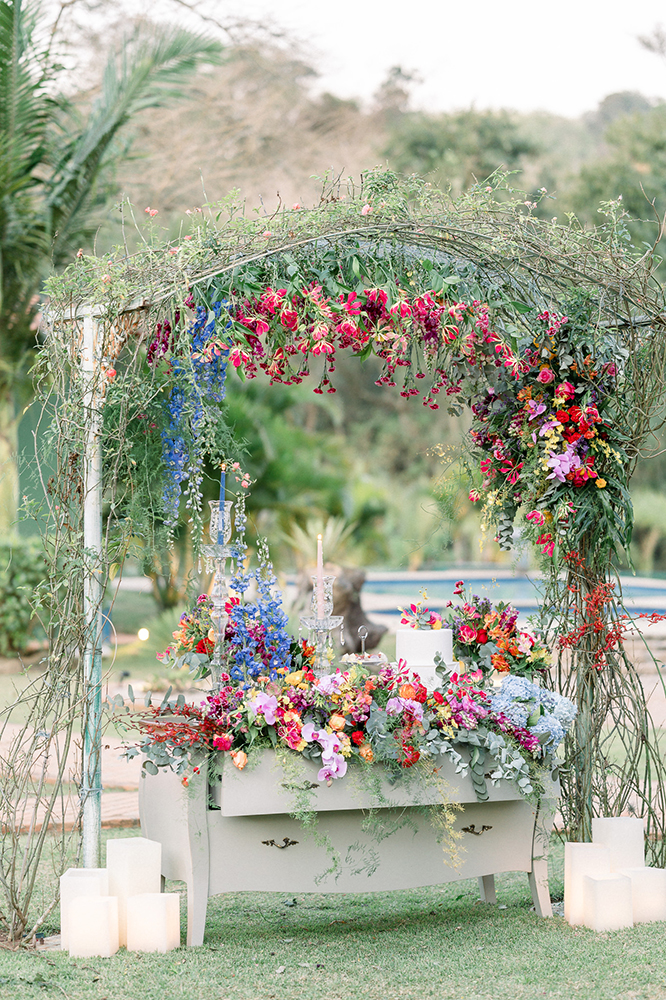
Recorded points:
562,56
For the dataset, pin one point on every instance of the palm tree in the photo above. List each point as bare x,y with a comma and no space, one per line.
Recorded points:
56,171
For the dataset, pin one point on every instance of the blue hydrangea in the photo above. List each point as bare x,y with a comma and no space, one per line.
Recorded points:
548,724
518,698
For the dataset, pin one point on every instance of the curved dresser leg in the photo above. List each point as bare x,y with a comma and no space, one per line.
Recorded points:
539,885
197,905
487,889
538,877
198,875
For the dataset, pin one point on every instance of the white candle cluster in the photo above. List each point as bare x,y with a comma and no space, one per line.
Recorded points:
102,909
607,885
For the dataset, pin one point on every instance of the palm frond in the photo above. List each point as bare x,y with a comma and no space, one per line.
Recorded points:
148,71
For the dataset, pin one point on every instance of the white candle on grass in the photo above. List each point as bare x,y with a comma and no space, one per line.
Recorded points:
153,922
77,882
624,837
135,867
607,902
93,926
648,893
581,860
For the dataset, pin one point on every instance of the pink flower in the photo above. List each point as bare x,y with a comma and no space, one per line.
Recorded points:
467,633
295,206
223,742
546,376
151,211
565,389
366,210
537,516
474,495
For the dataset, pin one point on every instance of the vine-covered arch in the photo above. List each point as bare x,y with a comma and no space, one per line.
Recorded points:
554,337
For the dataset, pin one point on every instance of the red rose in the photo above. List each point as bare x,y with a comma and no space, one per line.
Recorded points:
482,636
575,413
562,416
358,737
439,697
205,646
421,694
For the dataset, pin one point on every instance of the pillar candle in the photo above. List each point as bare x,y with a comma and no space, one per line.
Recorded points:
93,926
77,882
320,577
648,893
581,860
135,867
153,921
623,836
607,902
220,519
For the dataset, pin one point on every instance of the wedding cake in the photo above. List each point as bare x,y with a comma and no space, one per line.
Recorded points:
418,646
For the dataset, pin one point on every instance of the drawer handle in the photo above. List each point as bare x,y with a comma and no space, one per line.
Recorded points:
285,843
472,829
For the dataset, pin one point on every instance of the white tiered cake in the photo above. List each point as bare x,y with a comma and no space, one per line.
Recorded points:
417,647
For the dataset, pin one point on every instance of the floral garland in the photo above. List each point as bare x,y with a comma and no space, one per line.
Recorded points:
542,403
353,716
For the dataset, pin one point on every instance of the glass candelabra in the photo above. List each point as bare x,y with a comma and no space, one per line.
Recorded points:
216,554
322,623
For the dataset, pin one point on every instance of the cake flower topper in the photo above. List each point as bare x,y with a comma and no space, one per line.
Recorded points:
419,616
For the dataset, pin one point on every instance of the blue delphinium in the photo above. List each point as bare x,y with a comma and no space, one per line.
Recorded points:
198,382
257,637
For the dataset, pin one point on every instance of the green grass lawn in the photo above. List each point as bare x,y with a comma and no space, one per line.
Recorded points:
436,942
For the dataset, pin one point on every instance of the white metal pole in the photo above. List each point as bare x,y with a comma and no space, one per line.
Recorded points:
91,782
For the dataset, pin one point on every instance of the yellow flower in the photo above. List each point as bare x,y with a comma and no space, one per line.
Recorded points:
436,625
600,483
294,678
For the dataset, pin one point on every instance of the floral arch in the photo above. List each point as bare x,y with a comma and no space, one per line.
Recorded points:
553,336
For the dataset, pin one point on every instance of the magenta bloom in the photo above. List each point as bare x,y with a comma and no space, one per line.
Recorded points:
546,376
467,633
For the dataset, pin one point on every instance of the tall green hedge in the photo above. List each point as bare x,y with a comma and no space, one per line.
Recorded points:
21,570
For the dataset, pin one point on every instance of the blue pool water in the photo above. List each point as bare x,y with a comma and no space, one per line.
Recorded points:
641,595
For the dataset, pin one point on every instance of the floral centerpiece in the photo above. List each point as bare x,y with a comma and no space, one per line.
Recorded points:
487,637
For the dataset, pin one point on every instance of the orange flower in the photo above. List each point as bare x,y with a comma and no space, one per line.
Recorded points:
407,691
499,663
365,751
337,722
239,758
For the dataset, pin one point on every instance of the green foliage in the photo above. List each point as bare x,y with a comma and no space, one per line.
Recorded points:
458,149
21,571
635,170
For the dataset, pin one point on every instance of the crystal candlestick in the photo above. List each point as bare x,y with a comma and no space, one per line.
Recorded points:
216,555
322,627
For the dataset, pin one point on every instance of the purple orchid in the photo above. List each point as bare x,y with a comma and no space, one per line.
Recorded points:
562,464
266,705
329,684
335,768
